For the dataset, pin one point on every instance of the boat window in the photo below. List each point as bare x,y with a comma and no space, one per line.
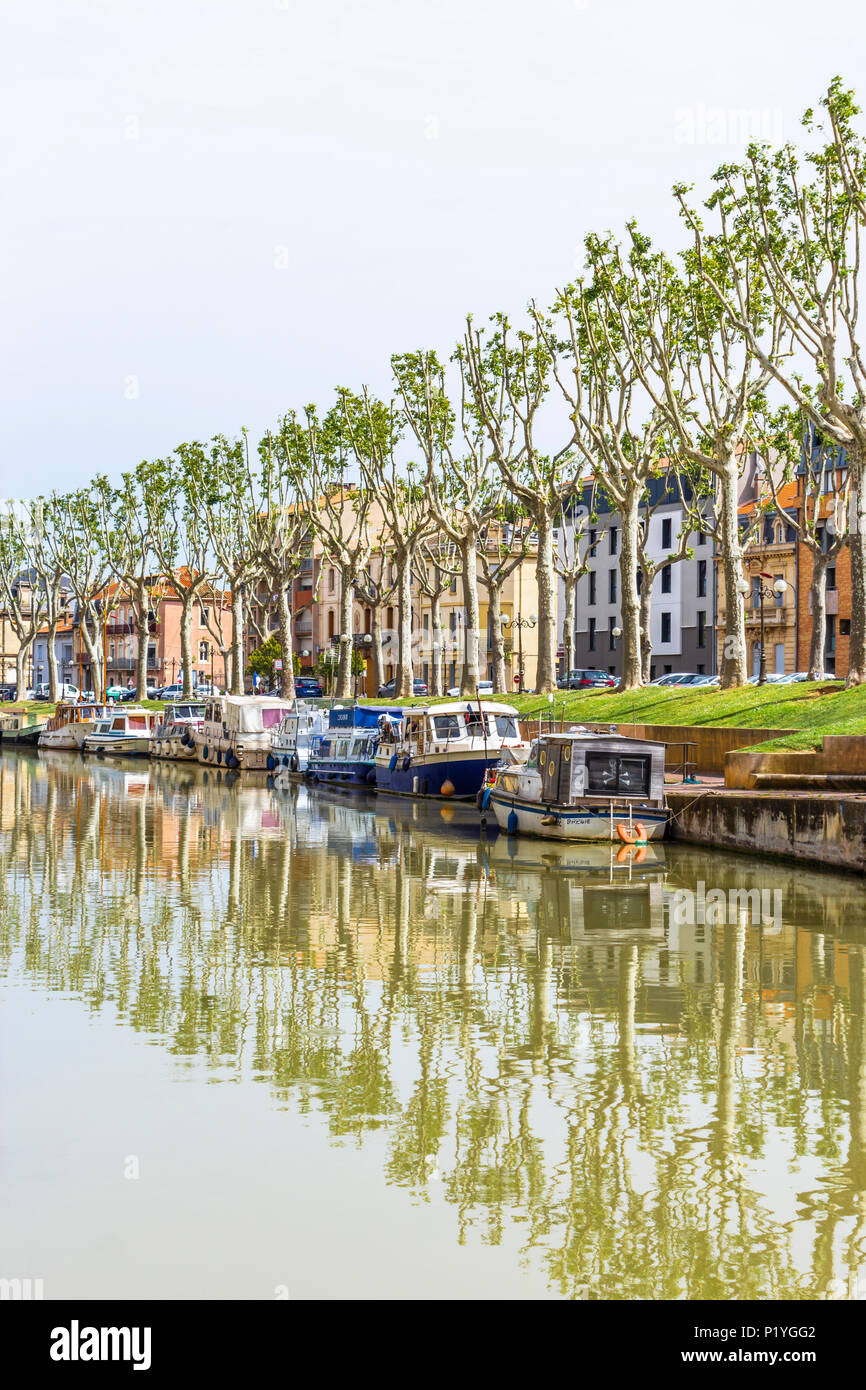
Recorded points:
271,718
506,726
475,724
609,773
119,724
446,726
532,760
137,721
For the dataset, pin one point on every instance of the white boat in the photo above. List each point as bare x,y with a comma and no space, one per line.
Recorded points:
71,723
582,786
292,739
125,732
236,731
446,750
173,735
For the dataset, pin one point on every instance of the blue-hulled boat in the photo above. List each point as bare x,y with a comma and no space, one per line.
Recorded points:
446,750
345,755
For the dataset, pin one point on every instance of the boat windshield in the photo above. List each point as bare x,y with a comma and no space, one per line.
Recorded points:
506,726
446,726
609,773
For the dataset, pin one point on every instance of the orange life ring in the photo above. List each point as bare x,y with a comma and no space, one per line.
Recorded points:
638,838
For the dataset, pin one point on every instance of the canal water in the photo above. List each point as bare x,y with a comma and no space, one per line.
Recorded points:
288,1045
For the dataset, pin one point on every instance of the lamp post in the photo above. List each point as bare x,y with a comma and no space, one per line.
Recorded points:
762,591
520,624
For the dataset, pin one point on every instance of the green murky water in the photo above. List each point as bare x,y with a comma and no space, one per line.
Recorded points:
295,1045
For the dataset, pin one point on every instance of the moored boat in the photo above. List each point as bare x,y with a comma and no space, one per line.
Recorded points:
127,732
236,731
293,738
345,754
71,723
21,726
445,750
173,735
582,786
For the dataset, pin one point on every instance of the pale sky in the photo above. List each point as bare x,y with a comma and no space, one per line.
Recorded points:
214,210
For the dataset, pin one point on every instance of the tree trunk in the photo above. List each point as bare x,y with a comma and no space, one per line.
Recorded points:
632,666
186,645
500,680
344,666
284,617
376,634
857,547
471,636
545,680
646,646
51,654
237,682
818,597
734,666
436,684
143,631
20,663
404,687
93,647
568,622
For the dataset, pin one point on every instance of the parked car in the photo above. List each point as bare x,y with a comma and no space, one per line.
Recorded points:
676,678
582,678
485,690
308,687
170,692
386,691
64,692
800,676
129,696
10,692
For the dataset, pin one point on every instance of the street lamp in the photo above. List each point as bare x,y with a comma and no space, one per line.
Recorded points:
520,624
762,591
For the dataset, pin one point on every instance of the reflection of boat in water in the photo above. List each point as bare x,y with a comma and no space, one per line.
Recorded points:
596,891
582,786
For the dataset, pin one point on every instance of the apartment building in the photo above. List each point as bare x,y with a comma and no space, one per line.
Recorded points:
682,613
770,555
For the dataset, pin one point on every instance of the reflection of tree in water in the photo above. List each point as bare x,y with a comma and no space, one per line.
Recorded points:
632,1113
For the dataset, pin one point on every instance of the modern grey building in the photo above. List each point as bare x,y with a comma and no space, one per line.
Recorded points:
682,616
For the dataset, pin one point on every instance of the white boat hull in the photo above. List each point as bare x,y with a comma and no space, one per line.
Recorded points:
565,823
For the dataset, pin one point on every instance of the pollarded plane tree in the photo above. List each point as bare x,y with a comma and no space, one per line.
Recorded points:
339,512
800,220
437,565
702,376
125,518
505,545
461,492
620,436
572,553
818,513
507,377
229,514
281,529
23,596
374,429
78,552
180,538
376,592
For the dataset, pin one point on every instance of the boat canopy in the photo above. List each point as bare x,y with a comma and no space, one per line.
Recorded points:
467,706
252,714
361,716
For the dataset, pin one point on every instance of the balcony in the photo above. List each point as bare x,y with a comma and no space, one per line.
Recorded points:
122,663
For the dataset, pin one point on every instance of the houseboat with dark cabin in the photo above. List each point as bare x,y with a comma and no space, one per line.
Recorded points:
582,786
345,754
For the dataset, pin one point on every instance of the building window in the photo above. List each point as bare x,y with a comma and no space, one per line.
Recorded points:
592,634
666,627
780,598
614,539
639,580
611,640
702,631
830,645
204,616
666,579
204,651
592,539
611,587
666,533
702,539
591,599
831,576
702,578
332,581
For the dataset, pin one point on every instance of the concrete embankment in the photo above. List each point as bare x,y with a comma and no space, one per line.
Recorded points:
819,828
